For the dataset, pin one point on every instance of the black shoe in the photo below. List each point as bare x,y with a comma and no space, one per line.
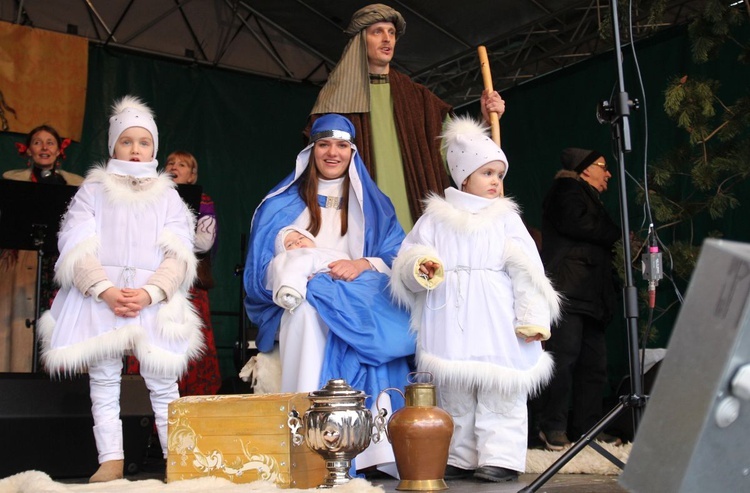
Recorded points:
496,474
453,472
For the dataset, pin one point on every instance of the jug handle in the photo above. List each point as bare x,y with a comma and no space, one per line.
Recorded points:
382,412
412,376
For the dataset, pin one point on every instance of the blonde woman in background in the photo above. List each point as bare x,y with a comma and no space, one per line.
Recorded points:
203,376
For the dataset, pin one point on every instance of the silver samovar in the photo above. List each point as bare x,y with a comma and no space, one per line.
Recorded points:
337,426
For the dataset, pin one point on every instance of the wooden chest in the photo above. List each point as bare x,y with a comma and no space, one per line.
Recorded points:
242,438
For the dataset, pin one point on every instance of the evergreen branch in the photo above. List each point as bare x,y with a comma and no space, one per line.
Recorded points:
710,136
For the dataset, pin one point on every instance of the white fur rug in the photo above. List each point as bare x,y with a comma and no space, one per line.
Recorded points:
587,461
39,482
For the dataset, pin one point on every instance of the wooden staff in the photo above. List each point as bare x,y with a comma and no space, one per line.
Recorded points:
494,117
487,78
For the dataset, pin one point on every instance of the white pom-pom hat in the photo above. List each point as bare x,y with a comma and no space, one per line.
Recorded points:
131,112
468,147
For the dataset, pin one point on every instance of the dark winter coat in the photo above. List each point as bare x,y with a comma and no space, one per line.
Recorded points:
577,246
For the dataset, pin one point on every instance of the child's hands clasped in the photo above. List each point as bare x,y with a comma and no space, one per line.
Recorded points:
126,302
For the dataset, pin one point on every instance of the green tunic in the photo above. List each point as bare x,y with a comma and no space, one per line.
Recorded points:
387,153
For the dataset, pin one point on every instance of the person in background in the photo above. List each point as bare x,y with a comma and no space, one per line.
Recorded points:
203,376
44,150
577,250
126,264
398,121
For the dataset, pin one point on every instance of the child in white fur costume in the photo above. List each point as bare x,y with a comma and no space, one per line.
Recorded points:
481,304
126,263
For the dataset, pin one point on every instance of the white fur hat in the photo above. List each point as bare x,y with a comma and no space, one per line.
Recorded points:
278,244
468,148
131,112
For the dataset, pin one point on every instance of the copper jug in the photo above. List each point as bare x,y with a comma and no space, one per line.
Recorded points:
420,434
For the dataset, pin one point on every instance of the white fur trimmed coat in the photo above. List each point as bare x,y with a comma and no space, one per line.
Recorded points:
130,226
494,284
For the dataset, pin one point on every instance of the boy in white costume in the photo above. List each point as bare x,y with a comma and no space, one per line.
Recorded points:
126,264
481,304
297,260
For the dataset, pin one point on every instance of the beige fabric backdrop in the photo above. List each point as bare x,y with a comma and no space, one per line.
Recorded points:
43,78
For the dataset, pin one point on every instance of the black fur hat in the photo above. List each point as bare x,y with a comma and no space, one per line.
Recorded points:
577,160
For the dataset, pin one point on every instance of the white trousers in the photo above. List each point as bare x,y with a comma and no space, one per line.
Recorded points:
105,378
489,429
302,346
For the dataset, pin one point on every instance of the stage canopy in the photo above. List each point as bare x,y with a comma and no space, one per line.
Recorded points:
301,40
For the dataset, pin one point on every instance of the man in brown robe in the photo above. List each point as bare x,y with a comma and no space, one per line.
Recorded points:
398,122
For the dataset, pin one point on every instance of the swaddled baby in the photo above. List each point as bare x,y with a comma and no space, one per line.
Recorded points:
297,259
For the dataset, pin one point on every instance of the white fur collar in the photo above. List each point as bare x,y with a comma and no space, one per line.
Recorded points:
129,189
464,212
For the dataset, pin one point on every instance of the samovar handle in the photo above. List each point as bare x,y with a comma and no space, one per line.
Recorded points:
295,423
380,424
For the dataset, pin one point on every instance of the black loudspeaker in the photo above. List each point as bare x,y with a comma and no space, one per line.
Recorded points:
695,433
46,425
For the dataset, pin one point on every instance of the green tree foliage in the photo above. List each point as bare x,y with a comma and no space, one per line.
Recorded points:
697,182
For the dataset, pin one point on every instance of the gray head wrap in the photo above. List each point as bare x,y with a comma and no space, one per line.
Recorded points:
374,13
348,86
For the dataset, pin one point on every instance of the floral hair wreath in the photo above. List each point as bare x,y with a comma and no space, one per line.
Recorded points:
22,148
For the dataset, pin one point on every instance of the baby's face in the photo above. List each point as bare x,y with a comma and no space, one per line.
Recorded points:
296,239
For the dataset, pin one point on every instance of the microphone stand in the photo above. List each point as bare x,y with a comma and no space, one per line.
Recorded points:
618,119
38,235
241,348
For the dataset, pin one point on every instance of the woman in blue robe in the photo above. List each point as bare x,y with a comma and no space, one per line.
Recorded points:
348,327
